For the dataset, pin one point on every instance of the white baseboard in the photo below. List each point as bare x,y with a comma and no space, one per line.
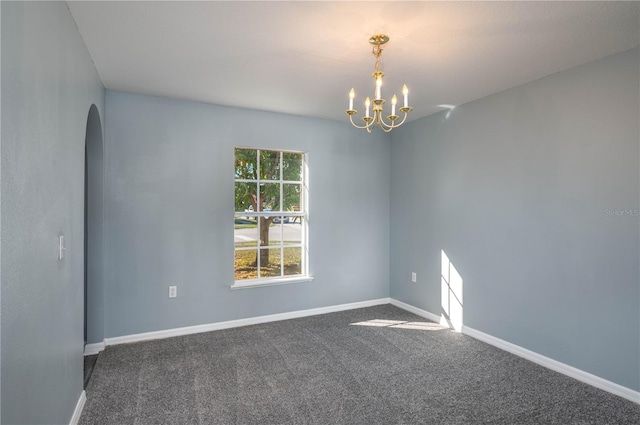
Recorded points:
240,322
78,410
415,310
91,349
555,365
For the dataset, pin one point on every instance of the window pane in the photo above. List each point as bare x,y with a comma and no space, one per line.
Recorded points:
275,232
245,196
245,232
291,197
292,261
284,220
270,165
270,262
270,196
266,233
292,166
245,264
246,164
292,231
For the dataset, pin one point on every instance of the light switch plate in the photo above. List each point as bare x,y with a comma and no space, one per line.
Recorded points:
60,247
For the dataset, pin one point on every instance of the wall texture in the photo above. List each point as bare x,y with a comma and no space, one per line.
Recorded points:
169,213
533,194
48,85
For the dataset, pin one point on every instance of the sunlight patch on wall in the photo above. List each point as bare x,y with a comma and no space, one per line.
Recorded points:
450,109
450,294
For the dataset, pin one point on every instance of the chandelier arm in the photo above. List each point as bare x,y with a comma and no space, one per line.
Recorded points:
366,126
393,123
379,121
403,120
383,125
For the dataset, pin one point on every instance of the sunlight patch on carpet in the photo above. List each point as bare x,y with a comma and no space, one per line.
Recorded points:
383,323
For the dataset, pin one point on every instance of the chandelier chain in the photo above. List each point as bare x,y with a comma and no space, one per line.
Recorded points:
377,52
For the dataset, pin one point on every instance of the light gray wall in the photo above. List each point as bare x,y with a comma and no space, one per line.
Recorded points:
518,189
48,86
169,213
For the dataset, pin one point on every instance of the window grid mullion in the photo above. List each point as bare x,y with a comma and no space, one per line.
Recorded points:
281,217
257,208
255,180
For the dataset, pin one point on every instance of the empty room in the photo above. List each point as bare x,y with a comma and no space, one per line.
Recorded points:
300,212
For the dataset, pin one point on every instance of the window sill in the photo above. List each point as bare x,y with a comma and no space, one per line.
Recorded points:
256,283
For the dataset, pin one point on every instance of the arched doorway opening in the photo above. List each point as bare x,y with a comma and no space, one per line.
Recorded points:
93,238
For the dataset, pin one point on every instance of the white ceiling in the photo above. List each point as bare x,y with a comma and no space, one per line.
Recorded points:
303,57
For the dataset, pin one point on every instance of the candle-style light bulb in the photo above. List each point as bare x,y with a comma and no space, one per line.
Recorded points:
367,103
394,100
378,85
405,92
352,94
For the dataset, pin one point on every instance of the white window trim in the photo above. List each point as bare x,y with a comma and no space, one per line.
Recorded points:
270,281
304,215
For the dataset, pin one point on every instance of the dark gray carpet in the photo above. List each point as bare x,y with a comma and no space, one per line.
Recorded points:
326,370
89,364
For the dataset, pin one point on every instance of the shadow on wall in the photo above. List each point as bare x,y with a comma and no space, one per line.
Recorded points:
450,294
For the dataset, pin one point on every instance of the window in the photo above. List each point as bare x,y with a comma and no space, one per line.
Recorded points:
270,222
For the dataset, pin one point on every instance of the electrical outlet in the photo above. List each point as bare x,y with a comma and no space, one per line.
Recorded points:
414,277
173,291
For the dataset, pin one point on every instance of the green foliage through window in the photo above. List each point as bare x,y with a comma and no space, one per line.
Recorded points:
269,213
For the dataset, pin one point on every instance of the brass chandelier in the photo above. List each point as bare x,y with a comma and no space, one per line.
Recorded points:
378,102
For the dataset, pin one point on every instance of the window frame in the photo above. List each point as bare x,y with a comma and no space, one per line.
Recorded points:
303,216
